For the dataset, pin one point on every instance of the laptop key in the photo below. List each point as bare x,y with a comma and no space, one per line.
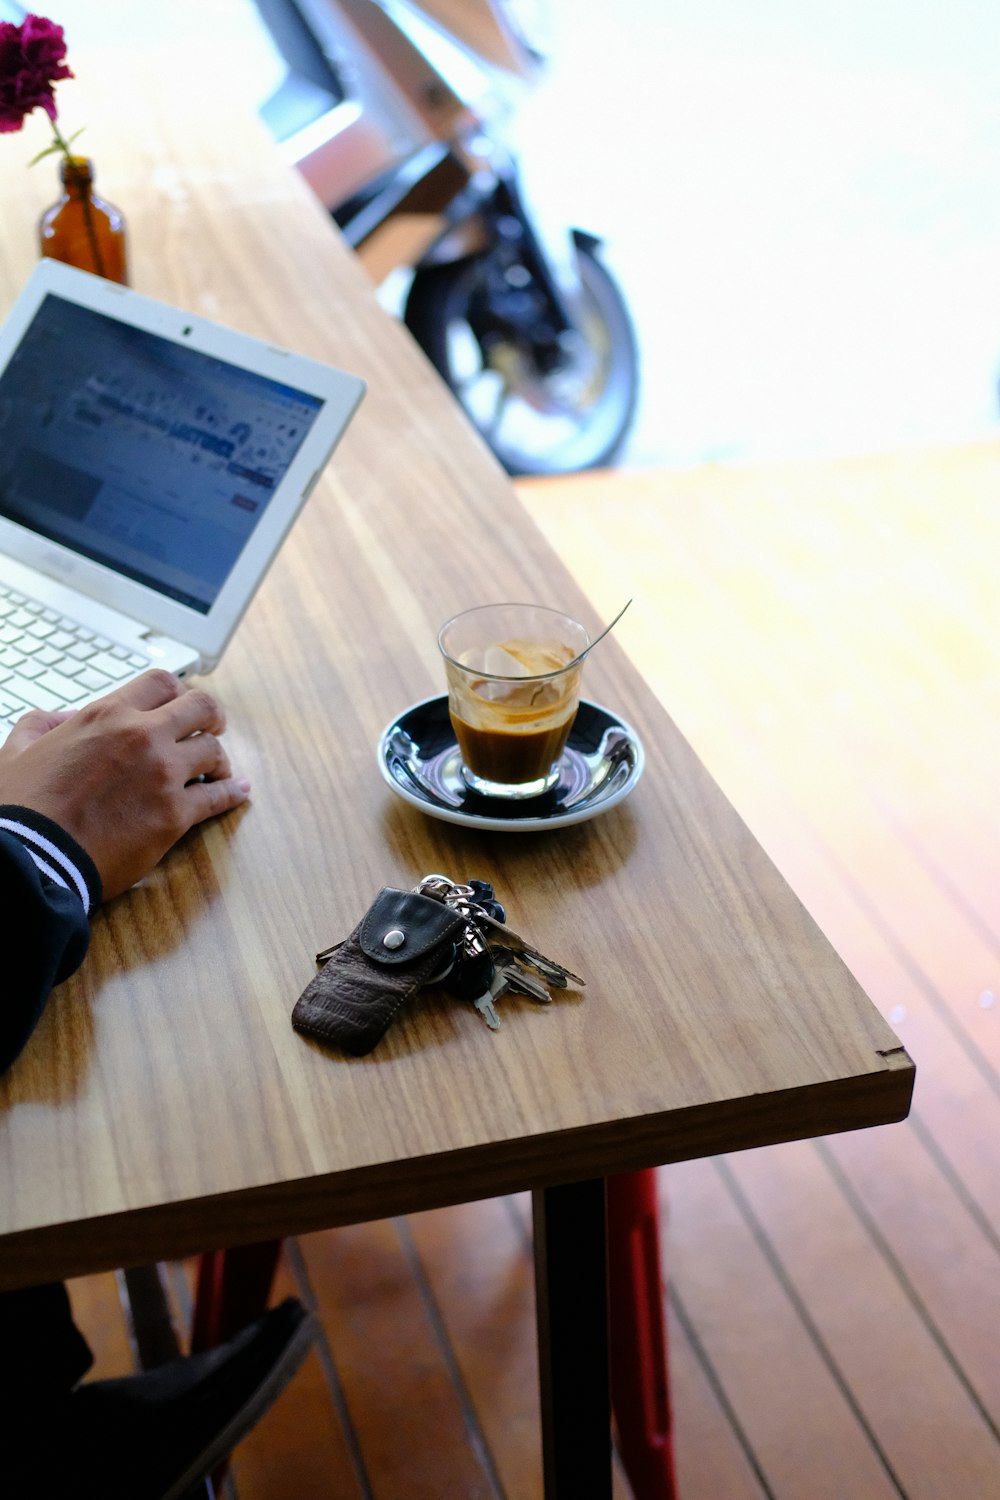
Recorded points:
61,639
32,693
41,629
92,680
119,651
30,669
82,650
47,656
105,662
68,688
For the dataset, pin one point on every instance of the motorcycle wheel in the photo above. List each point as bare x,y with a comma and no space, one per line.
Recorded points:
536,420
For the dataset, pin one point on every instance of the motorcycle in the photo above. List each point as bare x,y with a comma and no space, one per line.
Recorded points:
395,113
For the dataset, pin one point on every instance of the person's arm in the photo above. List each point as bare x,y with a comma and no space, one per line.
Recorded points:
91,801
48,885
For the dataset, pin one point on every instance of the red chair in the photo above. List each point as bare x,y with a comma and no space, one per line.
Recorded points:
234,1285
637,1337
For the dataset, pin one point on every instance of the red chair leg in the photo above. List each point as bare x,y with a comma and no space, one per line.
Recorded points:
233,1288
640,1396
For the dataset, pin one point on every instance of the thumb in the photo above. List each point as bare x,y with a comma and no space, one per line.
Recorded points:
31,726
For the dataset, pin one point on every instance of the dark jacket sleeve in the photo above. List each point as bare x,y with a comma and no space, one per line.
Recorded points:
47,886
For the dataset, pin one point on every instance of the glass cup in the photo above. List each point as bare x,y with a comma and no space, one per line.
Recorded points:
512,694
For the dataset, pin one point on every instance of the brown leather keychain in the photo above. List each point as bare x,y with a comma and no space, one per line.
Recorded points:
440,932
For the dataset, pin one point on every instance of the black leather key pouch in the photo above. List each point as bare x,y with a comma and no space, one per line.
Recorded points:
404,941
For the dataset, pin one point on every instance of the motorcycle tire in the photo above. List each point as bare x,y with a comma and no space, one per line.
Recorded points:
536,421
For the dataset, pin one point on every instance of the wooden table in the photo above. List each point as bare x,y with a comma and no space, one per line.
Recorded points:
165,1105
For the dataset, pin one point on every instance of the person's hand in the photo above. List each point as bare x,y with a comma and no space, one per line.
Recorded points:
119,774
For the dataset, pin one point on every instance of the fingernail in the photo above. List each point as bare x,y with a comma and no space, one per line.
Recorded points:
244,786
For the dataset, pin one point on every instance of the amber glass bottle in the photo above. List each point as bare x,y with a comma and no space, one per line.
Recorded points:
81,229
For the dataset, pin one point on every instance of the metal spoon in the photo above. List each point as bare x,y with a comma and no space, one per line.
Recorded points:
587,649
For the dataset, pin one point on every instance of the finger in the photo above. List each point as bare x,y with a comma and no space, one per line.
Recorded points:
197,712
32,725
206,799
203,755
153,689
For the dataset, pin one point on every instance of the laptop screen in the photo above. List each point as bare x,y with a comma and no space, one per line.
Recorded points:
143,454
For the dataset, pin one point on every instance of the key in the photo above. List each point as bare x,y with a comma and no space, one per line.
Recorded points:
497,933
37,696
91,680
516,978
105,662
553,973
487,1010
11,707
65,687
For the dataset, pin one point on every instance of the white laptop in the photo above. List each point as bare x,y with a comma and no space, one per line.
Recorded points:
151,464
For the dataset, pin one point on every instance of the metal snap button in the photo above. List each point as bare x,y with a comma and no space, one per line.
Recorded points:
394,938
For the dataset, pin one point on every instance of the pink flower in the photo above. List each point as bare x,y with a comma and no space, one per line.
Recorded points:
31,62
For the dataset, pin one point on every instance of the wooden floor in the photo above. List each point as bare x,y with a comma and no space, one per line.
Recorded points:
829,640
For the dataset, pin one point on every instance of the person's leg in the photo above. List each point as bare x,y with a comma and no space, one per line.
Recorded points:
142,1437
42,1352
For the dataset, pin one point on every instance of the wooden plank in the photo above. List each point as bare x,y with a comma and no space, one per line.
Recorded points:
299,1446
477,1262
709,1454
97,1312
411,1421
786,1398
935,1437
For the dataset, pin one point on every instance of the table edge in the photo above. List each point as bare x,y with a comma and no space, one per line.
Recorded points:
273,1211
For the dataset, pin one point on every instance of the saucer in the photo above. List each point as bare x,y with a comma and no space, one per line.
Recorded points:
418,757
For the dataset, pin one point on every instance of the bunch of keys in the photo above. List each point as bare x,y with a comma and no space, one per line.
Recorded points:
489,959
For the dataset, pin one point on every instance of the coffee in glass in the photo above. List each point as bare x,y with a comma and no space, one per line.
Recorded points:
513,692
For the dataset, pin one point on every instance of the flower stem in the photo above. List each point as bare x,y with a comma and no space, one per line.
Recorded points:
88,219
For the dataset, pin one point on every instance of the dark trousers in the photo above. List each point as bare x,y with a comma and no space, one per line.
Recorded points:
44,1353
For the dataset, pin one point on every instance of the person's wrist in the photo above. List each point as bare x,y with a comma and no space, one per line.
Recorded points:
55,852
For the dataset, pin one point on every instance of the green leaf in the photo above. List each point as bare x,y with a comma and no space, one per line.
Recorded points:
47,152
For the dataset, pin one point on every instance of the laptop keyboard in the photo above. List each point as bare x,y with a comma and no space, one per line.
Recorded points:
50,661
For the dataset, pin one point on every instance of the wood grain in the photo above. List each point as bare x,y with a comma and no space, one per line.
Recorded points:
165,1103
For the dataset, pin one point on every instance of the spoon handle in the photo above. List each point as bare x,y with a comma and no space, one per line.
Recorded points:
587,649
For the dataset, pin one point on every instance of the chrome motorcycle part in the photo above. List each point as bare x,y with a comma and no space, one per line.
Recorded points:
547,398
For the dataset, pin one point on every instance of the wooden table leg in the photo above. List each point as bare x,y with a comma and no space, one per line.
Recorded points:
571,1295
